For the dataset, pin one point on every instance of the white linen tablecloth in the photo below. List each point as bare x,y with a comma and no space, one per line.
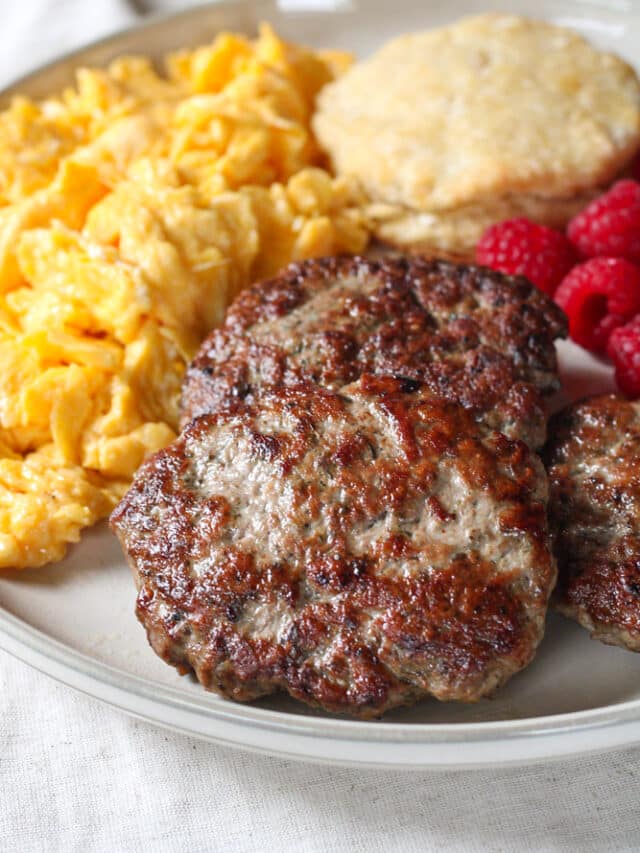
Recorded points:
78,776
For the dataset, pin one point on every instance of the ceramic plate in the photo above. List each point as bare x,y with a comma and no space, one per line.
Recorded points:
75,621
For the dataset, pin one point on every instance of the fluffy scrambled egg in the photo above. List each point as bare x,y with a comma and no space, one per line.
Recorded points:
133,207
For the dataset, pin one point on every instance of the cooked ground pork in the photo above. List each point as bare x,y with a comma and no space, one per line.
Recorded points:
592,458
359,549
473,335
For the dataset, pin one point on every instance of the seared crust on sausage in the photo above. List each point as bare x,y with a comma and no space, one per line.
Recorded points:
473,335
359,550
592,458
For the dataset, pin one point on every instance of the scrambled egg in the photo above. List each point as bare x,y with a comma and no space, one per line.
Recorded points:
133,207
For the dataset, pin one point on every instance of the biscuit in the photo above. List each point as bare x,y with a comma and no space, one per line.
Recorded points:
458,231
491,117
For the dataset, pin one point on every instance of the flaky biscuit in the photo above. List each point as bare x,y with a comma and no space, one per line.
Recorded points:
459,230
479,111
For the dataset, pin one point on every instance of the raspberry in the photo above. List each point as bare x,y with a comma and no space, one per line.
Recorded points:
624,351
610,225
518,246
598,296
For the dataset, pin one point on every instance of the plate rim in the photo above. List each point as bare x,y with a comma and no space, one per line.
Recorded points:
39,642
148,22
465,743
144,698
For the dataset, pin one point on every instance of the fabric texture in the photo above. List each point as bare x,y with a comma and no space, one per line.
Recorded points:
76,775
36,31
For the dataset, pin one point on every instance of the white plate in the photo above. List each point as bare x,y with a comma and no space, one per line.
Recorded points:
75,621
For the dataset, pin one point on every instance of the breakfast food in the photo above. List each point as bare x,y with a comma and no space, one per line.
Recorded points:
600,295
354,511
594,513
490,118
610,225
624,350
521,247
359,549
597,297
477,337
133,207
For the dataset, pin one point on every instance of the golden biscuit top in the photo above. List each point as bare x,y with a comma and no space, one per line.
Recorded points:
489,106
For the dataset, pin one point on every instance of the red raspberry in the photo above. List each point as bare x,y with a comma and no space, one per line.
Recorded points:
610,225
624,350
518,246
598,296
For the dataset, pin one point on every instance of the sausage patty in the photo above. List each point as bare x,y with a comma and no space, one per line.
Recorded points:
473,335
359,550
594,510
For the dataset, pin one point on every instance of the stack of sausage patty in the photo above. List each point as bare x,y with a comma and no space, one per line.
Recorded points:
354,512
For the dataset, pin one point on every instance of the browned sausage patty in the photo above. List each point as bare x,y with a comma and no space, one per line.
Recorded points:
593,461
359,549
471,334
